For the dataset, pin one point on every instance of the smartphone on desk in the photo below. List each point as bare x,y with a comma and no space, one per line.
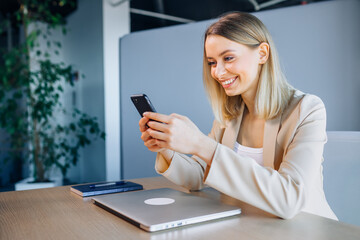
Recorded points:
142,103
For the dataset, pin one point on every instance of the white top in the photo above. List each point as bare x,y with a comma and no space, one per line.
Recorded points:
254,153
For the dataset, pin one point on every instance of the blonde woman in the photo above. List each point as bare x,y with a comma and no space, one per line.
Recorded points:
266,144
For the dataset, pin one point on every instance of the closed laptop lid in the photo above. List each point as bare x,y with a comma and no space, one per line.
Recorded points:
164,208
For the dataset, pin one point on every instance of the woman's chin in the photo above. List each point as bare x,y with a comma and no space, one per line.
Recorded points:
231,93
233,90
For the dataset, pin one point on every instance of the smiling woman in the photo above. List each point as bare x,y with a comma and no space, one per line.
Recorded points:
256,55
267,140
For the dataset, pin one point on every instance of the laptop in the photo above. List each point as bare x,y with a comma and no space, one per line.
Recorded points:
164,208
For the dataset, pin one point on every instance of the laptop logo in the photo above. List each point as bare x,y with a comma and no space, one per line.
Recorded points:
159,201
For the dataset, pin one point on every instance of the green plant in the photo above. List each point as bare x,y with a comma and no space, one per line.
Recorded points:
31,89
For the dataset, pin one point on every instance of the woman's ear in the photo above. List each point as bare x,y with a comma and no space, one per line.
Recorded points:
264,50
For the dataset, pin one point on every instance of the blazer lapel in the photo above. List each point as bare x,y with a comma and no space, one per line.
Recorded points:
232,129
269,143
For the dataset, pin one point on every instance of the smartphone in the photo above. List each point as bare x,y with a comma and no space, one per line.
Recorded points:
142,103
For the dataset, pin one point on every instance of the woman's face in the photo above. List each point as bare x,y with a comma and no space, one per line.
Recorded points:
235,66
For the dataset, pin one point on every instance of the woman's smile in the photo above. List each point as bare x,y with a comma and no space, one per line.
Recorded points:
228,82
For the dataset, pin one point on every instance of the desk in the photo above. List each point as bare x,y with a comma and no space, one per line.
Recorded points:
57,213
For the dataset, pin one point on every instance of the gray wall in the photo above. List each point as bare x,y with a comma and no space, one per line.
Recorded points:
316,43
318,46
166,65
341,175
83,47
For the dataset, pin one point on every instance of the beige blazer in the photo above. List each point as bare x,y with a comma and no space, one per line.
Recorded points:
291,179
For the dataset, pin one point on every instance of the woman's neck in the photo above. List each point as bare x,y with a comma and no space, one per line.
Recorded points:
250,105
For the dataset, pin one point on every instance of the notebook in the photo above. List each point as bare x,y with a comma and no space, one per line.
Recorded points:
87,190
164,208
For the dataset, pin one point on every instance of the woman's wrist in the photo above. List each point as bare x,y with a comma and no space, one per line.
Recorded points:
205,149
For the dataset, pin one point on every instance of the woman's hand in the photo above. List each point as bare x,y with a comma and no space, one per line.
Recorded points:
149,141
177,133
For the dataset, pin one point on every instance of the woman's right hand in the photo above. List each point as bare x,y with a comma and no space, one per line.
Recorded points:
149,141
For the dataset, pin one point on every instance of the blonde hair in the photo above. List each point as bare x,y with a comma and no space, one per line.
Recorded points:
273,92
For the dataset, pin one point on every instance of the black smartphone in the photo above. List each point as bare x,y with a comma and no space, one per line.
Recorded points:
142,103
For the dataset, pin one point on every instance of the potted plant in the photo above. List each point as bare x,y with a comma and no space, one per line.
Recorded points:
31,92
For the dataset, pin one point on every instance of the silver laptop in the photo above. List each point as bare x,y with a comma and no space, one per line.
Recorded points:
164,208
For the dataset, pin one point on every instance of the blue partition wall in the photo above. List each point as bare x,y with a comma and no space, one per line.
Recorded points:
317,47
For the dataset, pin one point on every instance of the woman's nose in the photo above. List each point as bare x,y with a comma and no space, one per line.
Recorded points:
219,71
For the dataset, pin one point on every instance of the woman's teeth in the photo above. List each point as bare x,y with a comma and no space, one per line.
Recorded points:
229,81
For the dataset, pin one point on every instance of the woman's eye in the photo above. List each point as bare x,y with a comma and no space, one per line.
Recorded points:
228,59
211,63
